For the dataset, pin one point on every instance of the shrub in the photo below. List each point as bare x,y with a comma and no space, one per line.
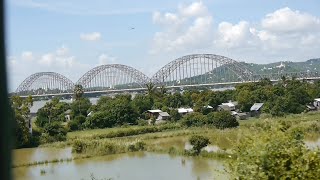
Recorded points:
140,145
194,119
53,132
175,115
73,125
223,119
198,142
275,154
78,146
142,122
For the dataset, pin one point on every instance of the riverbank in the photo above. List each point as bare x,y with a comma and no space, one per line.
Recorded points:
173,138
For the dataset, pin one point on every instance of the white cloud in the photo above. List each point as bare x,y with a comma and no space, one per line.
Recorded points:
105,59
46,59
286,20
284,33
63,50
59,61
193,10
189,27
94,36
231,36
167,19
27,55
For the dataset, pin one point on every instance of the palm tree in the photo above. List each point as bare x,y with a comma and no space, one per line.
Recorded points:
150,88
163,90
78,91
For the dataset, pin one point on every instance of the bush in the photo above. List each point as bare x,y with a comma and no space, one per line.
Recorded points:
194,119
53,132
198,142
142,122
175,115
73,125
223,119
275,154
78,146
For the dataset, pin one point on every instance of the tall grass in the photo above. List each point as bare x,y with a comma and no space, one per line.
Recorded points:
120,132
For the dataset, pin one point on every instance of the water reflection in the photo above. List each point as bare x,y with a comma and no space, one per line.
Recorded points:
135,166
29,155
313,144
209,148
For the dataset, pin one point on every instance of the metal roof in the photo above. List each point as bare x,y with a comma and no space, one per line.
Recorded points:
256,106
225,107
164,114
185,110
155,111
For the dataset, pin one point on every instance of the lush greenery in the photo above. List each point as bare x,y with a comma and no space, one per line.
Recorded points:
198,142
223,120
21,113
280,99
276,153
271,147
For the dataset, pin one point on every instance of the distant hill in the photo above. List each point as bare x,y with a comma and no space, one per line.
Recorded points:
285,66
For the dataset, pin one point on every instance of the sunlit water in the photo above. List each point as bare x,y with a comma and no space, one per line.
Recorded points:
133,166
313,144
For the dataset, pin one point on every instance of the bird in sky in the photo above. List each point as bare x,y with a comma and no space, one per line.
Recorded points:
132,28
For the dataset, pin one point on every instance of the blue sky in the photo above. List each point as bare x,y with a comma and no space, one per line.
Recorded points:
71,37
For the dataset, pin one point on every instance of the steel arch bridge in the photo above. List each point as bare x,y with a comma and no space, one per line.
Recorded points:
202,69
45,82
113,76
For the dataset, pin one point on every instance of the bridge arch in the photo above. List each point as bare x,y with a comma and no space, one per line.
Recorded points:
202,69
112,76
45,83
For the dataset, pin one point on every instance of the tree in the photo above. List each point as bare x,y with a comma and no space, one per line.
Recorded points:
175,115
142,103
198,142
80,107
274,154
78,91
21,112
151,88
22,132
194,119
223,119
51,111
53,132
245,100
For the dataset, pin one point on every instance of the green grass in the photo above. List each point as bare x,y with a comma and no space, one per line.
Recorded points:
120,132
171,138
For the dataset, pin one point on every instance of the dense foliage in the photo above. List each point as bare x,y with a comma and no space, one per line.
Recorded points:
53,132
275,154
285,97
21,113
198,142
282,98
223,120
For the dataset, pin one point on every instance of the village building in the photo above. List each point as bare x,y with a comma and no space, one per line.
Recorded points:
255,109
184,111
67,115
154,113
316,103
223,108
158,115
163,116
231,104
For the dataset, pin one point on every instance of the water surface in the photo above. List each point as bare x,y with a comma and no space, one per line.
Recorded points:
133,166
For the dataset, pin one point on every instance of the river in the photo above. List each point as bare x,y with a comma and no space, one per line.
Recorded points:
133,166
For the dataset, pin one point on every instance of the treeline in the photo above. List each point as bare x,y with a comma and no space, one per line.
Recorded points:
284,97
